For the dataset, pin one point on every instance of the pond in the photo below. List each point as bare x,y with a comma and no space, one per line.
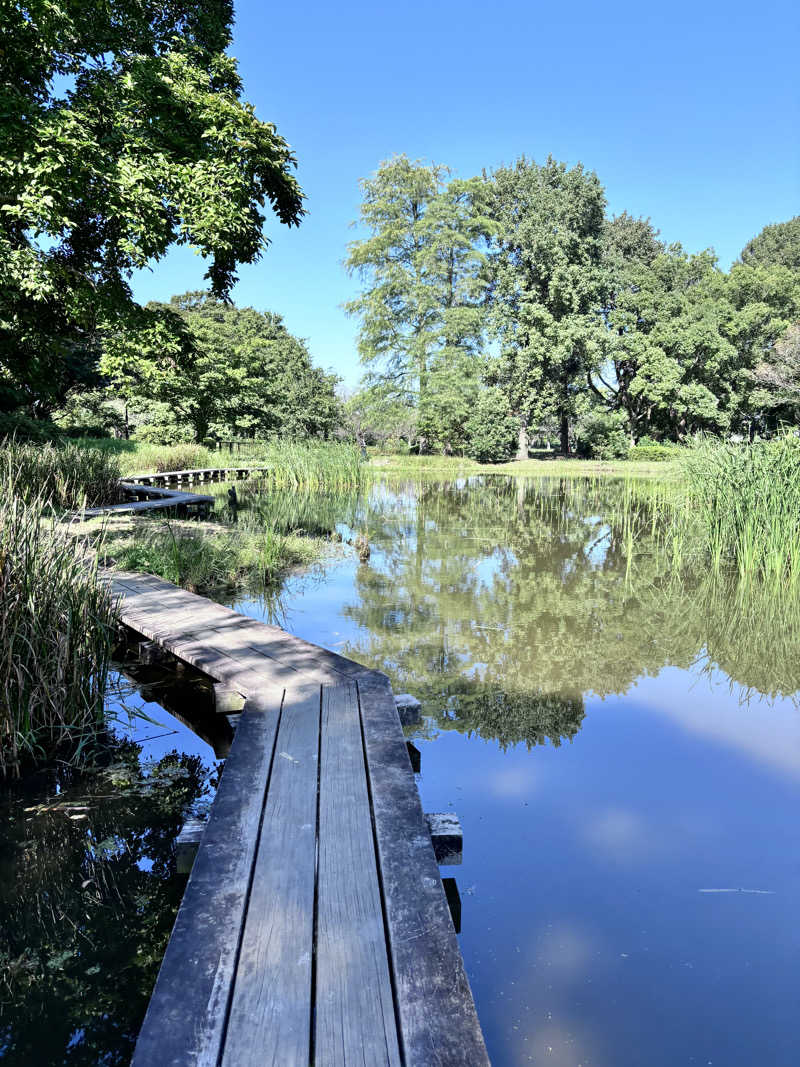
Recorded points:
620,742
622,748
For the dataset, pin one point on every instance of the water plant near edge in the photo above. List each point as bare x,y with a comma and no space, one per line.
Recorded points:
289,464
56,629
59,476
744,503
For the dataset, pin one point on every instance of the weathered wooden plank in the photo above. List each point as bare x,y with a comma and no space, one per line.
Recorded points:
184,1023
355,1018
270,1016
438,1023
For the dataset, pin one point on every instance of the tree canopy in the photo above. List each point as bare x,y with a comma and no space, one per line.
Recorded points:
232,372
776,245
124,133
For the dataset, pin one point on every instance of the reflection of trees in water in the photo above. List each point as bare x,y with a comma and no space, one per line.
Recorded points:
533,590
88,896
510,718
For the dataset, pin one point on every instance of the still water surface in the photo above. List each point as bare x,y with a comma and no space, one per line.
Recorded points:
622,748
623,751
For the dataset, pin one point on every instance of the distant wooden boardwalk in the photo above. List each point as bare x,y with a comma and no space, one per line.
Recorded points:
152,492
314,928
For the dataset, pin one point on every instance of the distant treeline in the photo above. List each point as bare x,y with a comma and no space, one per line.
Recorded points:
510,305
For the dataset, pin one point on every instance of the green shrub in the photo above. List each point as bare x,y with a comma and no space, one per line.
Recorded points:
654,451
604,436
56,625
492,431
393,446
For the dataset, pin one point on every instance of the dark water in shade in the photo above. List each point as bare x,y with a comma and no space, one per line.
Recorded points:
88,888
623,751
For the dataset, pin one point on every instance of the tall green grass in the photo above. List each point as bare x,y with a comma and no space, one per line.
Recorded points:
206,560
743,503
59,476
56,625
290,464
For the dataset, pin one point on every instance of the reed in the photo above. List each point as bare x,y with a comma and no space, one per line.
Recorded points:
56,627
290,464
60,477
743,503
205,560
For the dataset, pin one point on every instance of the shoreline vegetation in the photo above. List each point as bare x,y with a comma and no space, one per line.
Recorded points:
553,466
735,508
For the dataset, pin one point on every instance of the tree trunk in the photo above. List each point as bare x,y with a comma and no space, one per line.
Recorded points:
522,446
564,434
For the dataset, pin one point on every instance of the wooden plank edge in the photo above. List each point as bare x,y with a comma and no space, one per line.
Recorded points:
185,1020
436,1011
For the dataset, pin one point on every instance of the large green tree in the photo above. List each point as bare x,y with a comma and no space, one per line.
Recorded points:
236,372
423,275
548,287
124,132
778,244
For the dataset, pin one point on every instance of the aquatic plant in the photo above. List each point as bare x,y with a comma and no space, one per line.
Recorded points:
209,559
59,476
743,502
293,464
56,627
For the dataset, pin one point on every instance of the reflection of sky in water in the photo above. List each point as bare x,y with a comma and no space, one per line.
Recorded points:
587,926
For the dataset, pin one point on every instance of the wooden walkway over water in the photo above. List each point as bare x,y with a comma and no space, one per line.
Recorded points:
314,928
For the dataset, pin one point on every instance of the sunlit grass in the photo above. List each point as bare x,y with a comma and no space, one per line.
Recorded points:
453,466
59,476
292,464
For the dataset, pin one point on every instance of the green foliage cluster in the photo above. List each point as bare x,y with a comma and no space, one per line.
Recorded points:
236,373
124,133
56,622
519,280
491,429
604,436
647,451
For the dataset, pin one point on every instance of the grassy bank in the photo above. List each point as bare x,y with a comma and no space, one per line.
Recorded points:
453,466
202,557
56,625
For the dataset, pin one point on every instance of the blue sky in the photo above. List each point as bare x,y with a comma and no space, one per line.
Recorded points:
688,112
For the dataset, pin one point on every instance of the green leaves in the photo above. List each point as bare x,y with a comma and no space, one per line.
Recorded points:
146,144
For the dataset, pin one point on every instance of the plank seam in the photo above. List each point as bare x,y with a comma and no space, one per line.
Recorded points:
250,877
379,870
312,1035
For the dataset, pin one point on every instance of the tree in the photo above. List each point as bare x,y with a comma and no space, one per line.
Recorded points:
423,274
547,288
765,300
778,244
373,415
236,372
124,133
777,376
491,429
671,358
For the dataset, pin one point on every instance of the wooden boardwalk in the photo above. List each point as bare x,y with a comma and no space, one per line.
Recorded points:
152,492
144,498
314,928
